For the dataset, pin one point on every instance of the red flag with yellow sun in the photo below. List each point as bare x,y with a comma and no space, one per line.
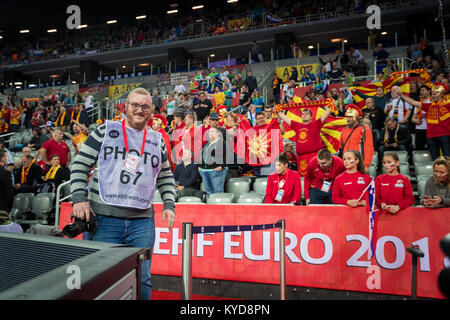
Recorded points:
331,130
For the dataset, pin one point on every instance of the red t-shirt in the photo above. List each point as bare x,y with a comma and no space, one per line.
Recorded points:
349,186
438,119
315,175
288,182
393,190
61,149
308,136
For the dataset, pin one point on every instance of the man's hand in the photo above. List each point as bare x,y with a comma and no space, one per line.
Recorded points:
352,203
394,209
170,217
82,210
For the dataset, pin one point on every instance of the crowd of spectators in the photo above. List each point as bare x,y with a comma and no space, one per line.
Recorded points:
42,158
204,106
161,28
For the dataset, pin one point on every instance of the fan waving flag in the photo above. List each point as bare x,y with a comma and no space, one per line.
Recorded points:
331,130
371,89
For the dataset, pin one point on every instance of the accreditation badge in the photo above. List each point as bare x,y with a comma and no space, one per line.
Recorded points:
131,163
326,186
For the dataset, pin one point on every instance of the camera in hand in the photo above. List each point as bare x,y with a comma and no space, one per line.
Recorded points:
79,226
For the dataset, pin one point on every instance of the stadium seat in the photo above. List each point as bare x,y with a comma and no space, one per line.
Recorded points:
260,185
189,199
21,204
251,200
372,171
402,155
237,186
42,204
421,157
421,181
424,169
219,198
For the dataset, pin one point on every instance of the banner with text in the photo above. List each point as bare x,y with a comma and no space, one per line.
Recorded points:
326,247
116,91
284,73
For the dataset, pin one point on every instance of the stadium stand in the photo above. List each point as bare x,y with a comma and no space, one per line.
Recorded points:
99,98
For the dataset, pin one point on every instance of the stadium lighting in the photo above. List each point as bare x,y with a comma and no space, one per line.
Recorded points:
384,33
51,30
111,21
310,47
212,55
1,37
141,17
232,1
336,40
197,7
74,82
81,26
172,11
18,83
24,31
345,41
144,64
54,76
124,67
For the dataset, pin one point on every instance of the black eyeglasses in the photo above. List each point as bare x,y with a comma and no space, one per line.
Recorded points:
136,106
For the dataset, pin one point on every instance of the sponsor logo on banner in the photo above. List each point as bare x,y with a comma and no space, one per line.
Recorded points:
117,91
284,73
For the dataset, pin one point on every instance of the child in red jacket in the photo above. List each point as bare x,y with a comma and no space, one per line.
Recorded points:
350,184
393,191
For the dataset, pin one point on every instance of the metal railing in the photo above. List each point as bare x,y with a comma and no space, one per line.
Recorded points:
59,200
188,232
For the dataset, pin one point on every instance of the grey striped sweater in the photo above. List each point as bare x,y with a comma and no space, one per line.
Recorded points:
87,158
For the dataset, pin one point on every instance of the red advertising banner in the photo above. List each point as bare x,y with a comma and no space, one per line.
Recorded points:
326,247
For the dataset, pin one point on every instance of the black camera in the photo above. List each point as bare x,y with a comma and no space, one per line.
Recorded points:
79,226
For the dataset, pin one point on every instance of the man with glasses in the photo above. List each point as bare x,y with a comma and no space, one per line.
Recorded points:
131,164
320,174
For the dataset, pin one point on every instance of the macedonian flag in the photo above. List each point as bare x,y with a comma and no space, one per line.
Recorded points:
259,146
396,79
331,130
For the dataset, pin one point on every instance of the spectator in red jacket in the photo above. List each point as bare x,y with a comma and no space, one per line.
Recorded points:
283,186
393,191
349,185
320,175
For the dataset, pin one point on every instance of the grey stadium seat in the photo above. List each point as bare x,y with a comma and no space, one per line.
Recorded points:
421,157
189,199
42,204
219,198
424,169
21,205
260,185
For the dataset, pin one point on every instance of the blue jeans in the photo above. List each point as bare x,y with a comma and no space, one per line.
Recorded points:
139,233
213,180
434,144
317,196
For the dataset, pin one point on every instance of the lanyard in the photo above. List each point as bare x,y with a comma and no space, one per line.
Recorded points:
126,141
285,179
